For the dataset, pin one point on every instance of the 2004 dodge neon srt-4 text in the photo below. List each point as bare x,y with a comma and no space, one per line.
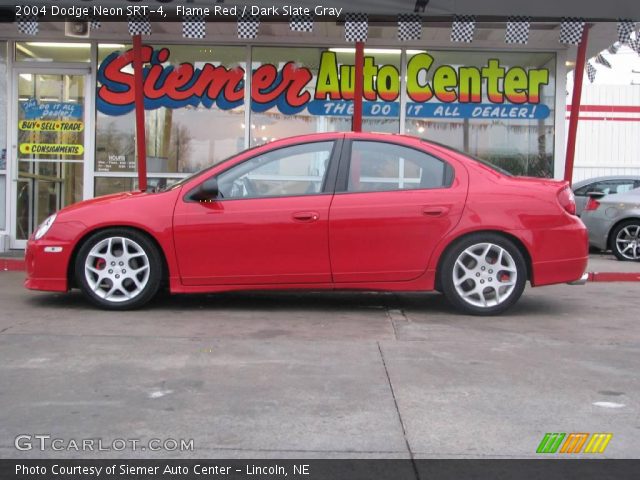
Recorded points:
325,211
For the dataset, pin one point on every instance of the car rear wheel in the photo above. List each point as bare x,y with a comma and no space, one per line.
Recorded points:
118,269
483,274
625,240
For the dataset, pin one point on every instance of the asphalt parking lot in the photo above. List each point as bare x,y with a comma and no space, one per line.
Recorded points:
287,375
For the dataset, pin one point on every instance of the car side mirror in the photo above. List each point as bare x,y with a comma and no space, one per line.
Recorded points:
207,191
596,194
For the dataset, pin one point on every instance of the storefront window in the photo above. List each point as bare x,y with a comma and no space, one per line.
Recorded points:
185,129
109,185
279,116
318,96
496,106
50,133
67,52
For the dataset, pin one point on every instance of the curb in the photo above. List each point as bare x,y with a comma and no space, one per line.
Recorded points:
12,265
614,277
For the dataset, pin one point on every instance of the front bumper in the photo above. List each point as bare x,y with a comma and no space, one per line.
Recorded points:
46,270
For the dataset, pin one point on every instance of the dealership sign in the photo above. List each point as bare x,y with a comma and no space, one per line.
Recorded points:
490,91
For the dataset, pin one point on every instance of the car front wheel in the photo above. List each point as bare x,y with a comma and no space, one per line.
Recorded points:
625,240
483,274
118,269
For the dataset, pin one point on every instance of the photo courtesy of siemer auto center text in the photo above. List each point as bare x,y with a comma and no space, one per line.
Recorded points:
364,240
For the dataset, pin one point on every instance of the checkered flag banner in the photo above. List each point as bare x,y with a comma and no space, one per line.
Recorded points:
518,30
634,44
603,61
591,72
28,25
463,28
194,26
409,27
356,27
301,23
613,49
625,27
248,26
94,24
571,31
139,25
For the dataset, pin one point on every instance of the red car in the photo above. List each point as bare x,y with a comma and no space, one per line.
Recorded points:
335,211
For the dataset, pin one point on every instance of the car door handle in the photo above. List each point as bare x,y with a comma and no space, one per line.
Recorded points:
434,211
306,216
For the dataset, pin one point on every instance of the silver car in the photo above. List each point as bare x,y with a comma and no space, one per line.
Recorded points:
613,222
607,185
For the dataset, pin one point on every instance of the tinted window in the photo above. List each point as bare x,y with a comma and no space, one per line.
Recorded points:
608,187
289,171
377,166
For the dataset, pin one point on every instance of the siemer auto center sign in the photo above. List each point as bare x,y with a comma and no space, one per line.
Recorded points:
445,91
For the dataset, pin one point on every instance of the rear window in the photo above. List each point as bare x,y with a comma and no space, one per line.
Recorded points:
471,157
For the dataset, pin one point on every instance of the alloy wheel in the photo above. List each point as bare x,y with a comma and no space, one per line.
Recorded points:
117,269
485,275
628,242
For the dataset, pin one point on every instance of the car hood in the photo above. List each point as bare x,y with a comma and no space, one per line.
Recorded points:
106,199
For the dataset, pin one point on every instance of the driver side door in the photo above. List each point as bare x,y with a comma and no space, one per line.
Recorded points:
269,224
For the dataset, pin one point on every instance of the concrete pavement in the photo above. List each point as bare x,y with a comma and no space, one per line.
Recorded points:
287,375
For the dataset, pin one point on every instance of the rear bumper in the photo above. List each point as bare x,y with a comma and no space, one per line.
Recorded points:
559,271
598,230
562,254
581,281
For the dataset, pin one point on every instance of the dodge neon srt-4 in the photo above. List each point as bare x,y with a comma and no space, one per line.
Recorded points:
335,211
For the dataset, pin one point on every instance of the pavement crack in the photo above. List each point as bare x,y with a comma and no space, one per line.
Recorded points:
395,403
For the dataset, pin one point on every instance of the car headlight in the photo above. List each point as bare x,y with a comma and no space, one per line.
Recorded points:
45,226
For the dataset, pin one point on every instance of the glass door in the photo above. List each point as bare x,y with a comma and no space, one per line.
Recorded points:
50,133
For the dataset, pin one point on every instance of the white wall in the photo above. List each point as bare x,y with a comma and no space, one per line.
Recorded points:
607,145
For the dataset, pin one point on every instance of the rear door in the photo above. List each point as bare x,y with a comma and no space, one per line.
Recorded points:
393,203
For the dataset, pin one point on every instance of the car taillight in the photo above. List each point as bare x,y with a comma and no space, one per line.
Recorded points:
592,204
567,200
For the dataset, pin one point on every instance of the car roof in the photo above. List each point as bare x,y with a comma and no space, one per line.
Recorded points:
582,183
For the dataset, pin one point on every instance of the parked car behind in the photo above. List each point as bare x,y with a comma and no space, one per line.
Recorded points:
335,211
607,185
613,222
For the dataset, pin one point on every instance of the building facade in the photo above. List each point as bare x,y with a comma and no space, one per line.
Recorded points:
67,127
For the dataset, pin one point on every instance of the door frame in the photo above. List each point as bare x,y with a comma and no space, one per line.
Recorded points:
88,72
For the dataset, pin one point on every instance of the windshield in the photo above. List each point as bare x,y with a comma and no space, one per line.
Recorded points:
179,184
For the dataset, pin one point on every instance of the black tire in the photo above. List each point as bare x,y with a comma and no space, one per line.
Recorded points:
143,260
632,227
496,281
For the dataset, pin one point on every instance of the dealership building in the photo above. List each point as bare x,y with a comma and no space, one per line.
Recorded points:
67,102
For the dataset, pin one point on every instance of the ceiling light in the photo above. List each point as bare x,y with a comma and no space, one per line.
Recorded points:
59,44
391,51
